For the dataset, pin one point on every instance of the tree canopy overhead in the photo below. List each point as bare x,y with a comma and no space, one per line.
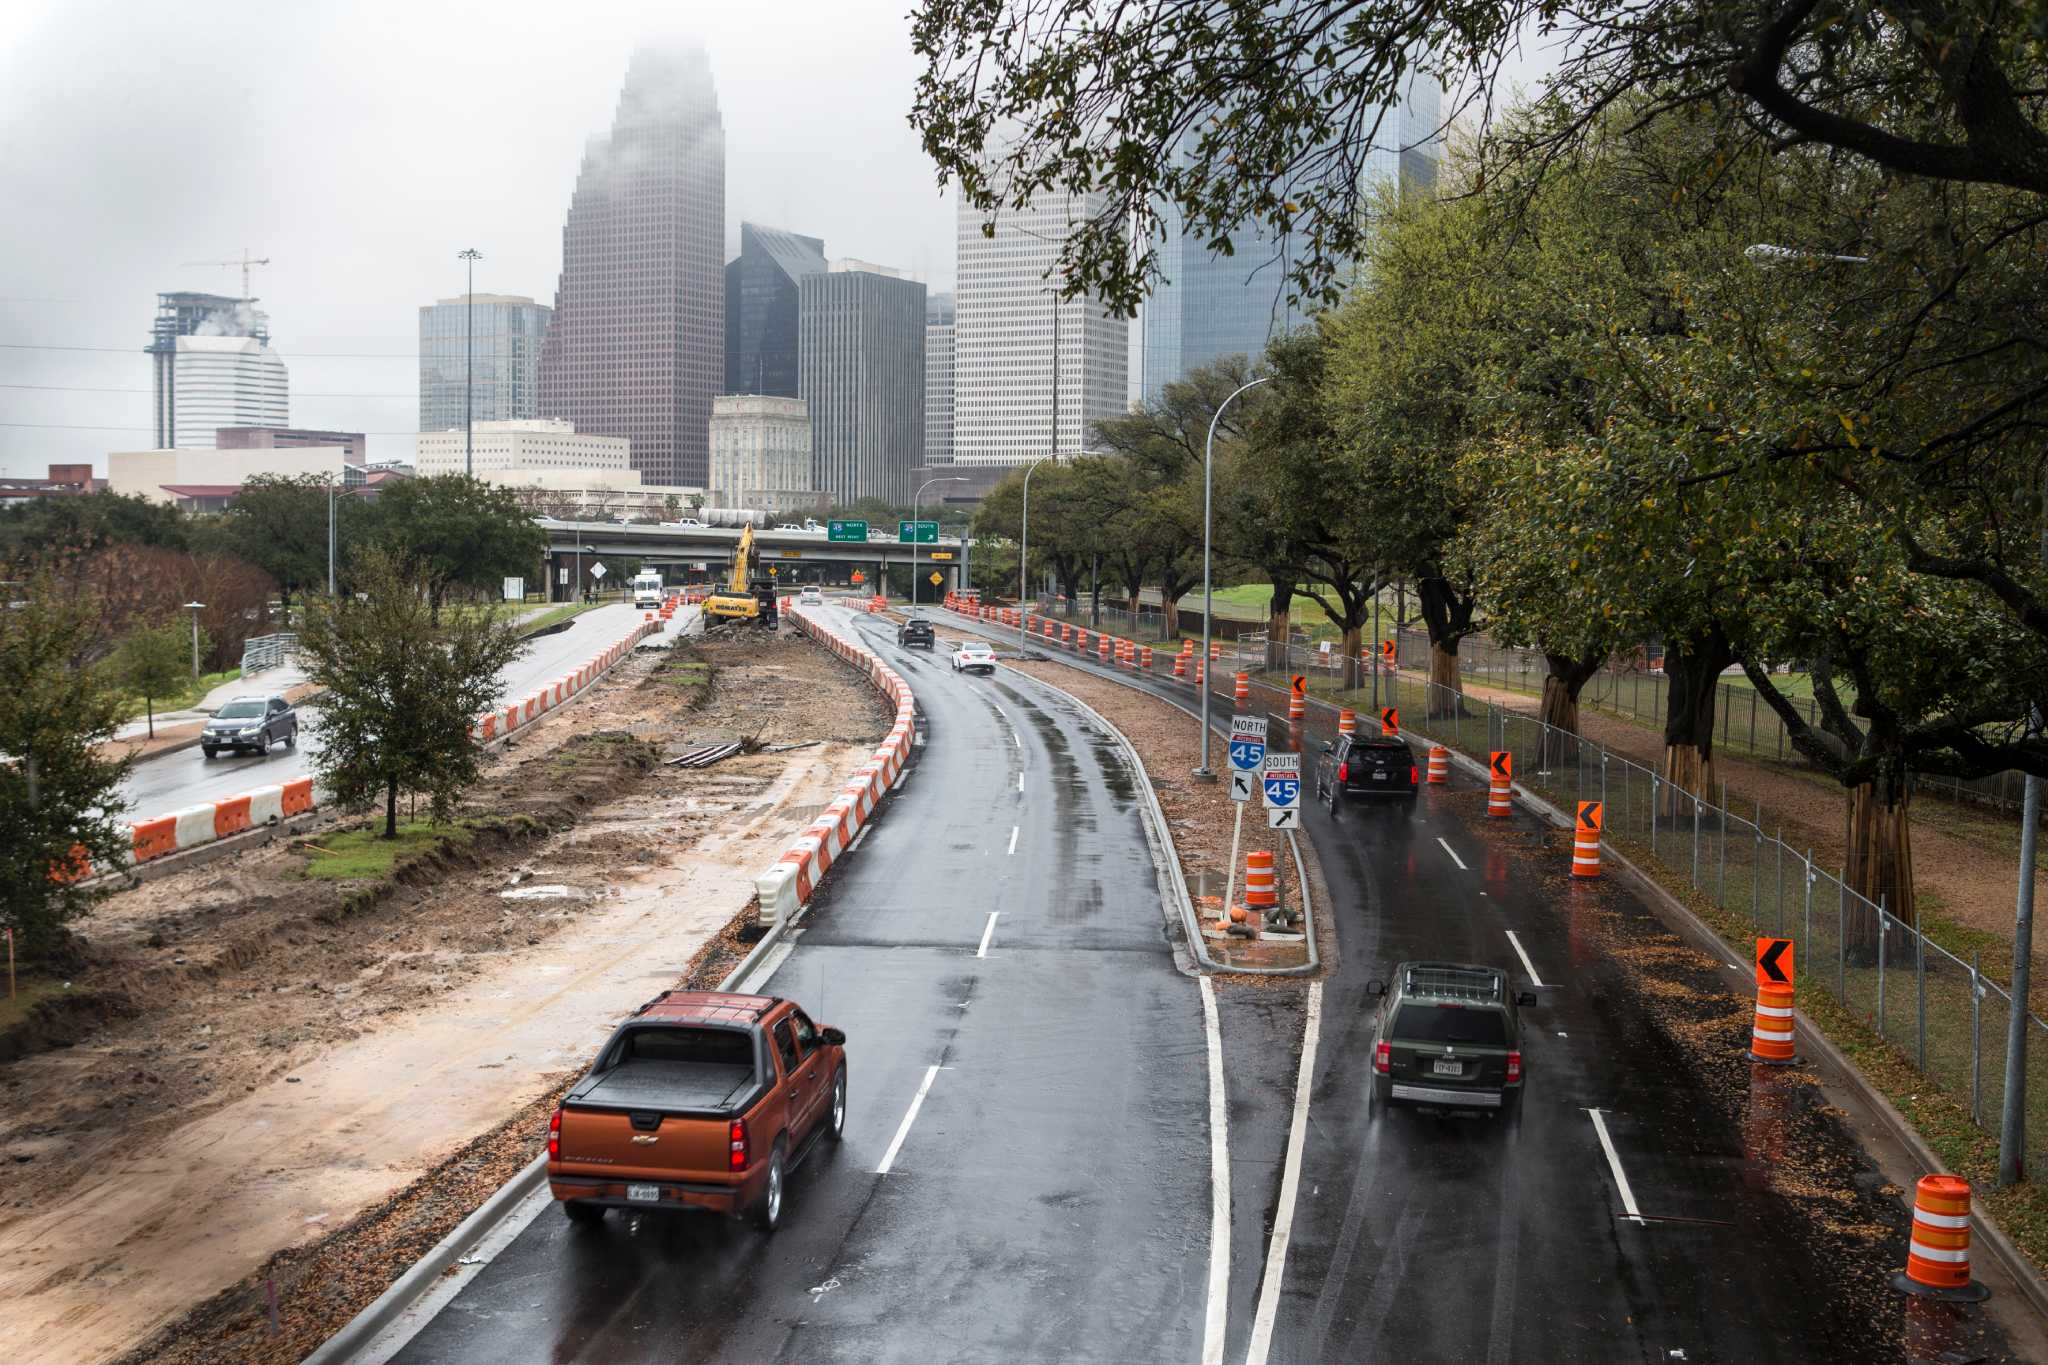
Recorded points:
1244,113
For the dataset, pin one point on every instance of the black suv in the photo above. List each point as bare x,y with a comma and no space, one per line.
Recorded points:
253,723
916,633
1448,1034
1368,766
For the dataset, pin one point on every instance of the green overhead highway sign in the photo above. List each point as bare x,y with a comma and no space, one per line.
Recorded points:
917,532
847,530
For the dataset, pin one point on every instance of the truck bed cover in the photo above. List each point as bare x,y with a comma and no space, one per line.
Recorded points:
667,1086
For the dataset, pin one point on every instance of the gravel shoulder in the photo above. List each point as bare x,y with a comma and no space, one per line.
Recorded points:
267,1057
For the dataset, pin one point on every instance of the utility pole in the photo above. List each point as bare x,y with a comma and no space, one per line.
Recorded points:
472,256
2012,1119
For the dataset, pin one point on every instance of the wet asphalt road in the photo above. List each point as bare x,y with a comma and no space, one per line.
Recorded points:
1050,1201
188,777
1420,1237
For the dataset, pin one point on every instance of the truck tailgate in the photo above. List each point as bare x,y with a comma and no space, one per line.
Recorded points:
648,1117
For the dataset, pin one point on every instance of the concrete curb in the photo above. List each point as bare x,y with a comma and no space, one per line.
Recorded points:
2014,1261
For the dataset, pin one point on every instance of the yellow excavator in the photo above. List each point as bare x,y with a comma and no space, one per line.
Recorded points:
749,595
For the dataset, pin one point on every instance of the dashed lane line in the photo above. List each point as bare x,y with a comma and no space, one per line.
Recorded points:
1454,855
1628,1196
1527,965
909,1117
987,934
1013,840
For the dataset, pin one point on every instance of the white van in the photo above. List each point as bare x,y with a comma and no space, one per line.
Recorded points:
647,589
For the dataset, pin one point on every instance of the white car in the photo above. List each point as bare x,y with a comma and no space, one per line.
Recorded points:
974,657
810,597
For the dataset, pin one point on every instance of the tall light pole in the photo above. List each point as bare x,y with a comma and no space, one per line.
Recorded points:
330,540
958,478
195,608
472,256
1024,547
1208,586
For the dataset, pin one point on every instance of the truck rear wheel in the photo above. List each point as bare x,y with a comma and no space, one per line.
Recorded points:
768,1212
836,1121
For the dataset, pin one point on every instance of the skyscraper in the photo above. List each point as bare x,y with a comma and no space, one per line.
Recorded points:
225,382
506,336
938,379
1209,306
862,344
636,347
761,308
1020,364
259,387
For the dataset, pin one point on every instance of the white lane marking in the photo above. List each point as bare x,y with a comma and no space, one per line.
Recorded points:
1020,782
1000,711
987,934
1628,1196
1013,840
1219,1188
909,1117
1454,856
1018,740
1290,1187
1527,965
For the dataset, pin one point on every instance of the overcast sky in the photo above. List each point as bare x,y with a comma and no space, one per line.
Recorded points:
360,144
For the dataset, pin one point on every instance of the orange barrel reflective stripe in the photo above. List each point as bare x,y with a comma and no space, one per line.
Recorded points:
1066,632
1215,650
1297,699
1586,841
1180,665
1260,889
1501,773
1145,657
1938,1256
1243,691
1199,679
1102,650
1439,763
1770,1037
1347,721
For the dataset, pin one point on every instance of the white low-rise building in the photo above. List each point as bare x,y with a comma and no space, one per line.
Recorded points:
524,444
761,453
203,479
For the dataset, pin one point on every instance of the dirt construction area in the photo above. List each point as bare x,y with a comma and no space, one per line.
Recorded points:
254,1053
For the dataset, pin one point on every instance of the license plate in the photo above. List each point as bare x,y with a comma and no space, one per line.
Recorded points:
1379,777
648,1194
1449,1068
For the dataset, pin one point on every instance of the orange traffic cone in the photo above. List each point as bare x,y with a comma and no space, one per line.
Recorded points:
1938,1256
1586,841
1439,763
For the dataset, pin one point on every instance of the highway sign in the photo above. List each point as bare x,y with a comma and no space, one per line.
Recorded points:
1282,780
597,570
1283,817
940,554
1247,743
847,530
917,532
1774,962
1241,784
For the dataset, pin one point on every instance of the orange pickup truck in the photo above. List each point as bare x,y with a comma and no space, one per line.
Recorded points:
700,1101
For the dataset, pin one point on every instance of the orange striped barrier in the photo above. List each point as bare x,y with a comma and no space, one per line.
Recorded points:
1180,665
298,796
1770,1036
1297,698
1066,634
1145,658
1501,770
74,866
1938,1256
1439,764
1260,889
1586,841
1347,721
1242,692
155,838
1390,721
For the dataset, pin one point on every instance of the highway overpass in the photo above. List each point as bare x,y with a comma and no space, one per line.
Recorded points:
685,553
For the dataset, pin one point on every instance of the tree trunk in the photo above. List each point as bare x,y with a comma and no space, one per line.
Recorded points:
149,705
1448,614
1694,668
1170,614
1880,865
1276,639
391,809
1095,595
1446,684
1560,709
1354,640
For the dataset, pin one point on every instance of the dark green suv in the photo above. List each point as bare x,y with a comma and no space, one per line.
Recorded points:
1449,1035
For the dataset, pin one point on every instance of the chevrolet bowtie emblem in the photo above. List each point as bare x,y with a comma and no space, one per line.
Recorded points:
645,1139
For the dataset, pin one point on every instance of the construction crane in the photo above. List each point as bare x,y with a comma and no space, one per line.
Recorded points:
747,596
246,261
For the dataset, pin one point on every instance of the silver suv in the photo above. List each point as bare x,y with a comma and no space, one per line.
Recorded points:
252,724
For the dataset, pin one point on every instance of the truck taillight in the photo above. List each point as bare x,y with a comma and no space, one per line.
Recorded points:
1383,1058
1514,1068
1414,774
1343,772
555,1136
739,1144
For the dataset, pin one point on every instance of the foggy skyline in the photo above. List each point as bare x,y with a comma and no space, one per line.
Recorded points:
360,148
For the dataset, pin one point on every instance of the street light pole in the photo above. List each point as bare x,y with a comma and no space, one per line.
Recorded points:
958,478
195,608
472,256
330,540
1024,546
1208,586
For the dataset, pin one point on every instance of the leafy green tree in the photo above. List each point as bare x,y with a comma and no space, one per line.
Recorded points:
60,805
155,661
279,524
404,683
42,529
460,532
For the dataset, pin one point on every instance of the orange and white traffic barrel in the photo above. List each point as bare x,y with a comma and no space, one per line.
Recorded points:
1215,650
1297,701
1770,1037
1501,772
1586,841
1180,665
1199,678
1145,657
1242,692
1347,721
1938,1256
1103,643
1261,891
1439,764
1066,632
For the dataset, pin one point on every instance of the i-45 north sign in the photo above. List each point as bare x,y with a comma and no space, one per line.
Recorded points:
847,530
1247,743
